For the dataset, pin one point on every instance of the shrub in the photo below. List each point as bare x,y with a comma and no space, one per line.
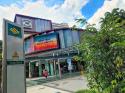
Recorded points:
103,53
86,91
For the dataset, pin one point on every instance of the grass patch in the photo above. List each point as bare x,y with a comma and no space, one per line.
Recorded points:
86,91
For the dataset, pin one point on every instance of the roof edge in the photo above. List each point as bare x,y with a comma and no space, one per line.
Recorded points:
29,17
38,33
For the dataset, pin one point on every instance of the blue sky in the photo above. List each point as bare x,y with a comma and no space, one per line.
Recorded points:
87,11
8,2
91,7
51,3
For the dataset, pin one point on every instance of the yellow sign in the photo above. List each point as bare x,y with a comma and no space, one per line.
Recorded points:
14,31
15,55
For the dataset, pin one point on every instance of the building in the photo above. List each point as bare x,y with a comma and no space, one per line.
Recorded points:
32,25
48,47
59,25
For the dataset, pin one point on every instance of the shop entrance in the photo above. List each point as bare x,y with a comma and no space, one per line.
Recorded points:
35,70
64,67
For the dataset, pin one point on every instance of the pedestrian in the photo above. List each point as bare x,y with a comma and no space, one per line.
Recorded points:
45,73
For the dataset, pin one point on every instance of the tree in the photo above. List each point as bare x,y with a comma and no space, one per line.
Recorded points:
103,52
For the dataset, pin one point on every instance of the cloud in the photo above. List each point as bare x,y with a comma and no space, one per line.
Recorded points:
65,12
107,7
121,4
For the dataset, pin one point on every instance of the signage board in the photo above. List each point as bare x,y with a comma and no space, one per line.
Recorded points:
41,43
14,41
45,42
13,70
27,23
69,64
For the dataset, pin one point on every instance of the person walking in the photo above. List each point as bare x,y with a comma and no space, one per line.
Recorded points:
45,73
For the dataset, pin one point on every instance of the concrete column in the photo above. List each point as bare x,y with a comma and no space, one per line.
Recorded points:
60,74
54,67
47,66
40,69
30,74
30,70
51,69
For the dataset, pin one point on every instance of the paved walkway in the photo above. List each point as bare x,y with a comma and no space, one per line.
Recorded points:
44,89
42,80
69,85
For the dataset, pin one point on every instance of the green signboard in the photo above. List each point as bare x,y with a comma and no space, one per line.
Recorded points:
15,62
14,41
14,30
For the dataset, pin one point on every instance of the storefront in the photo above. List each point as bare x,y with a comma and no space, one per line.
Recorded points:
52,52
35,69
48,48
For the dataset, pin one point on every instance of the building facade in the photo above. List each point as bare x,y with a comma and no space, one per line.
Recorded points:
47,47
59,25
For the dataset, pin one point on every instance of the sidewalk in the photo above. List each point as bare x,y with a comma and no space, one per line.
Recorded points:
44,89
42,80
71,84
66,85
37,78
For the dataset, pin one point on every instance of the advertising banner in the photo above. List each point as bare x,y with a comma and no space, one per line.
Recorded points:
45,42
69,61
13,59
41,43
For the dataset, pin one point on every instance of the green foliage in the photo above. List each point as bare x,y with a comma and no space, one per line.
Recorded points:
87,91
103,53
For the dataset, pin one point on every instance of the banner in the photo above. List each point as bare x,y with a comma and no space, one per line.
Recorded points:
45,42
41,43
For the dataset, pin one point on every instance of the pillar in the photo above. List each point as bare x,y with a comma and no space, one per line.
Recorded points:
47,66
60,74
30,75
51,69
40,69
30,70
54,67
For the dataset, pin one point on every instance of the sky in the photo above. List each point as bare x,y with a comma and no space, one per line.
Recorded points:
59,11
